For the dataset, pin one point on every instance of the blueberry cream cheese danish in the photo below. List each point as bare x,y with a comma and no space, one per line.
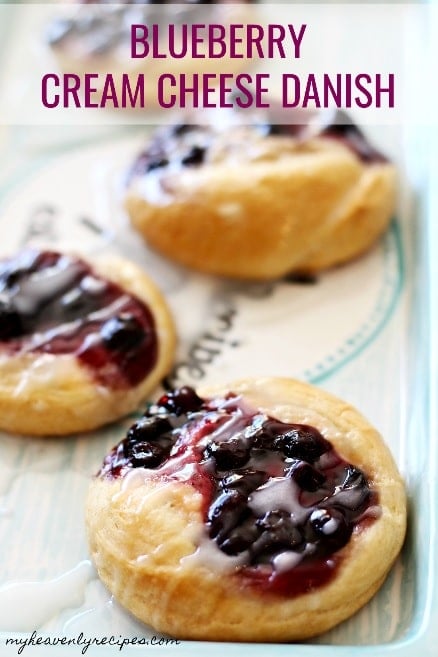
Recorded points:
80,344
260,201
97,39
267,510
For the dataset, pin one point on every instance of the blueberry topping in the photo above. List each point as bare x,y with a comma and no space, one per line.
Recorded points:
331,526
279,532
239,538
10,320
245,481
354,478
348,133
229,454
194,156
343,129
225,512
266,437
103,26
306,476
303,442
77,302
149,428
181,129
147,444
122,333
269,497
157,164
183,400
24,264
54,303
147,455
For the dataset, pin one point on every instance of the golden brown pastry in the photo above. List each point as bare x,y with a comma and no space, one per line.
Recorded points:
80,344
263,201
266,510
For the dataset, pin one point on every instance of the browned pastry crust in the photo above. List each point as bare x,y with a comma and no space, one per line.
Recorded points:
51,394
267,207
144,534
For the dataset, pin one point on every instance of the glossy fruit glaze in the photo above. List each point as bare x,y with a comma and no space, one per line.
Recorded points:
188,145
56,304
276,496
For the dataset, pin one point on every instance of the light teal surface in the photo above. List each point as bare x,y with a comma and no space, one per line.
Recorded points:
415,576
417,629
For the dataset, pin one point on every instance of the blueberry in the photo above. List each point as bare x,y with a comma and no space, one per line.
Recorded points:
148,443
195,156
354,478
266,436
303,442
11,325
147,455
148,428
181,401
272,129
306,476
245,481
331,528
225,512
158,163
182,129
276,519
240,538
263,439
122,333
278,532
24,264
229,454
352,492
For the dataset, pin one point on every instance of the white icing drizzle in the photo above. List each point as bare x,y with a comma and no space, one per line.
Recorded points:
39,339
348,497
93,285
209,555
278,493
134,478
231,427
26,606
43,285
330,526
287,560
